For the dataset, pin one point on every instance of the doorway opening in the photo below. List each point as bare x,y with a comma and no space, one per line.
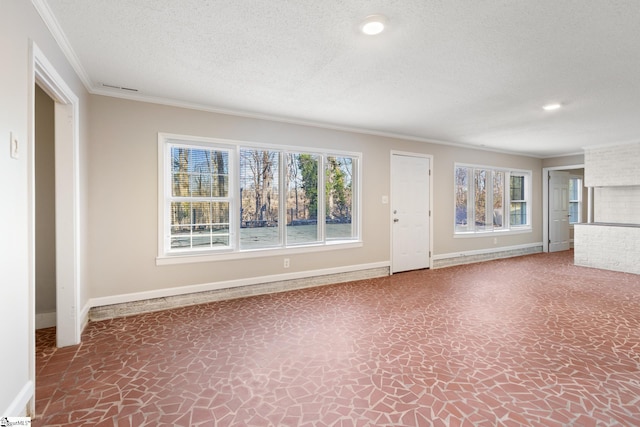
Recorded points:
45,209
576,199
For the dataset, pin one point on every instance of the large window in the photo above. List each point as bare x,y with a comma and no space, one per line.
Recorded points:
483,203
220,197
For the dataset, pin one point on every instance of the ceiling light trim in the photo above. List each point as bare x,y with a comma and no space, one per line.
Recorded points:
552,107
373,25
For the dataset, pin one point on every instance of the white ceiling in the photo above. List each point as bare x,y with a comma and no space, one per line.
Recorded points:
456,71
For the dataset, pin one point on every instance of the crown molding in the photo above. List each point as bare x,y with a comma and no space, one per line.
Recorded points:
56,31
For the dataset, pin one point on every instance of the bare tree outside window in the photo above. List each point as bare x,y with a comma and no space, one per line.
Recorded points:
339,197
259,193
220,197
481,199
302,198
199,209
462,220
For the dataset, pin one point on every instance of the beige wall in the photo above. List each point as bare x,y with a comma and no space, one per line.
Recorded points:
123,195
551,162
45,204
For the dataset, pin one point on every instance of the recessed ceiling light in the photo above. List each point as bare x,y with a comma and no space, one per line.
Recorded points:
551,107
373,24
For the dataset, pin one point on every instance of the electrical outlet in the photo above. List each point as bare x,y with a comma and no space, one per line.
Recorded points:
286,263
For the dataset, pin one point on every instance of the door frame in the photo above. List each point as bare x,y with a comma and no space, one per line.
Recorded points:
67,201
545,200
390,201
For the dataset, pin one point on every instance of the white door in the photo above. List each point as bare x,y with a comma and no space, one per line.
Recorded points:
558,211
409,212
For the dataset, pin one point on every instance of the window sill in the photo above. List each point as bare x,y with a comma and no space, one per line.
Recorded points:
254,253
471,234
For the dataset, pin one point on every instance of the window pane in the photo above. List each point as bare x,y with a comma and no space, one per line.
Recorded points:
220,185
574,212
181,213
498,199
196,170
259,194
302,198
199,224
220,173
200,185
517,188
462,198
480,193
575,187
518,213
339,197
180,184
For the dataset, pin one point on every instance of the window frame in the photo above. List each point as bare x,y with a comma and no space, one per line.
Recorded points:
166,255
506,227
168,196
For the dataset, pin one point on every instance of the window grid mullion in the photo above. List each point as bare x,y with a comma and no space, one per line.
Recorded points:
322,217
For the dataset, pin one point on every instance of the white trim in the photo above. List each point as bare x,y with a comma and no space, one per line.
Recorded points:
545,200
67,183
45,320
507,227
227,284
19,404
289,120
56,31
496,233
486,251
579,153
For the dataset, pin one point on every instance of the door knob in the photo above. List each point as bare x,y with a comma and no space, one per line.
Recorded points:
395,220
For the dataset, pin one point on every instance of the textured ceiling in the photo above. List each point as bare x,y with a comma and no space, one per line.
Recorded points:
455,71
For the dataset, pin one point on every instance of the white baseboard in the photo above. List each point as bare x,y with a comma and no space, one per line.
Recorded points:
45,320
162,299
467,257
18,408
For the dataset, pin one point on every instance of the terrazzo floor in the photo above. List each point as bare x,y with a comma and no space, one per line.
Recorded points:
528,341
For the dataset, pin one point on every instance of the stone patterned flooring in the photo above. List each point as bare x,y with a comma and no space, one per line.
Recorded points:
529,341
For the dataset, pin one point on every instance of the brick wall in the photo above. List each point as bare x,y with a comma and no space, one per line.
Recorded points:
614,172
617,204
612,166
608,247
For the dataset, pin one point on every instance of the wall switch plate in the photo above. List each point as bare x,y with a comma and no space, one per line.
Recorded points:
13,146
